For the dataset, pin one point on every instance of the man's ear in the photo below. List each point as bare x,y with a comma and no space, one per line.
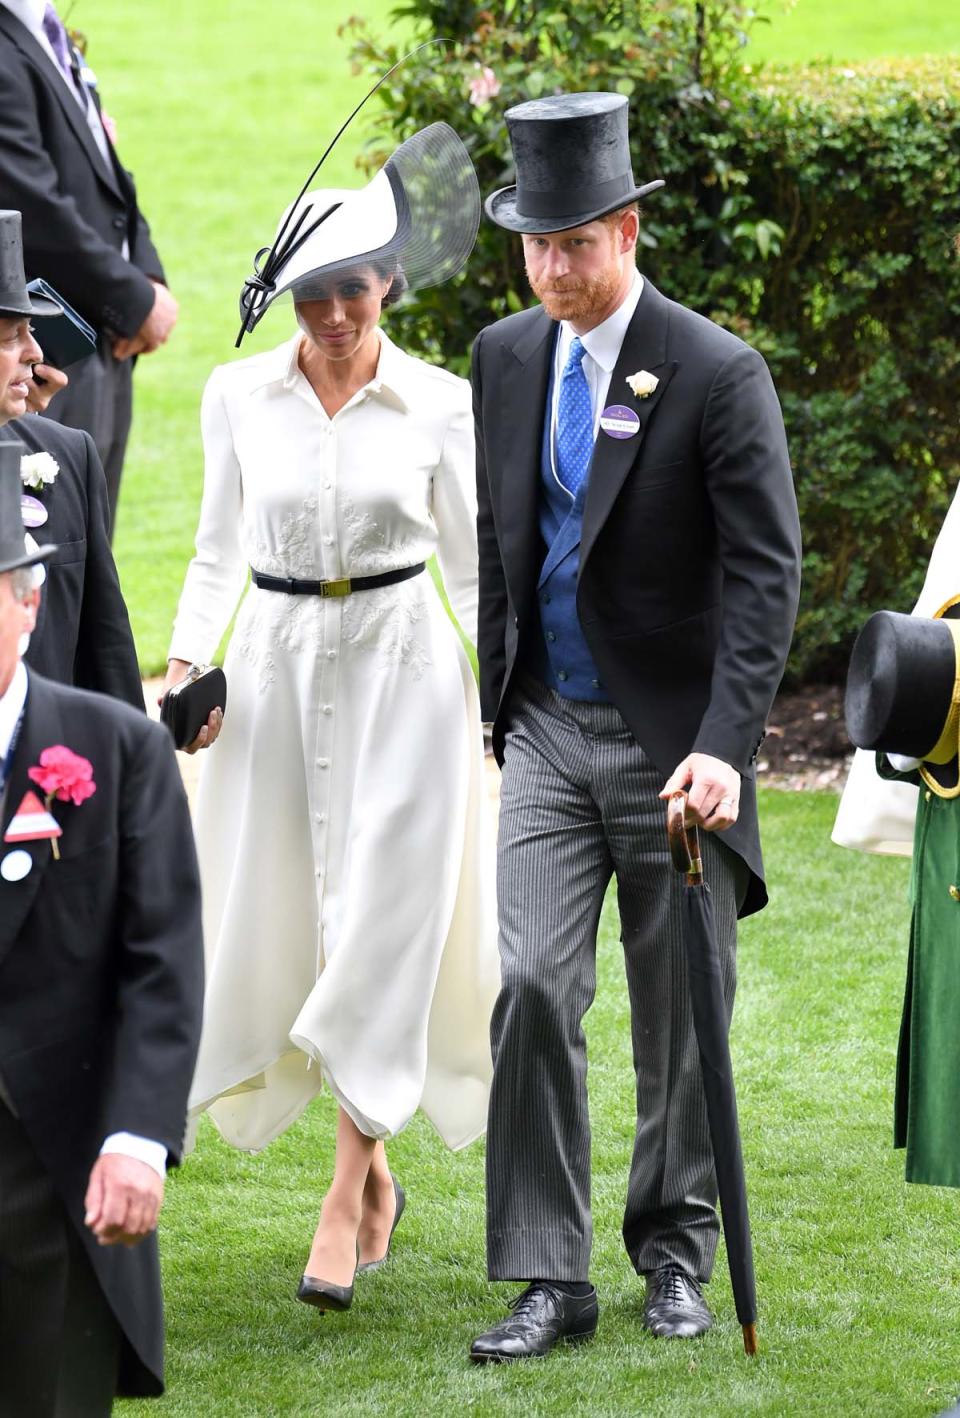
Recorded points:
629,231
30,606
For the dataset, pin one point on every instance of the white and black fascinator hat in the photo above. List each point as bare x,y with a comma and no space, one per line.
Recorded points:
416,220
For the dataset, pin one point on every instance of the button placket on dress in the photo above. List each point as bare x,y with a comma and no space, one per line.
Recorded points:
326,663
328,650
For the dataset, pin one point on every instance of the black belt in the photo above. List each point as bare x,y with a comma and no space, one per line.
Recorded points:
292,587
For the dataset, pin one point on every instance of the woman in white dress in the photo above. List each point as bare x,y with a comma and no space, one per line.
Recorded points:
340,817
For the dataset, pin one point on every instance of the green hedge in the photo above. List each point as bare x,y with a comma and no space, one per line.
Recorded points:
812,212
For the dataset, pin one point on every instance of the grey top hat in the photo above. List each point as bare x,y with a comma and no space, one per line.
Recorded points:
13,552
14,297
572,154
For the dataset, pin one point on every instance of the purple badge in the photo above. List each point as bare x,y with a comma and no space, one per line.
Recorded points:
619,421
32,510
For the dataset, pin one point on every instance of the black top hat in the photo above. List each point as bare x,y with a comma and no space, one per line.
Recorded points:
13,552
903,691
572,154
14,296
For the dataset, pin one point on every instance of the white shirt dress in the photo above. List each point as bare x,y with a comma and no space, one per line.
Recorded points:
340,822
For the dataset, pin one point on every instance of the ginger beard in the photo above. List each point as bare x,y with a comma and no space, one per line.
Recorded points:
578,298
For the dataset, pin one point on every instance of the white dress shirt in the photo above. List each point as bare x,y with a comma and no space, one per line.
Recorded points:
11,707
602,345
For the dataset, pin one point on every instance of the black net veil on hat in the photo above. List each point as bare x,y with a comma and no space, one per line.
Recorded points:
416,219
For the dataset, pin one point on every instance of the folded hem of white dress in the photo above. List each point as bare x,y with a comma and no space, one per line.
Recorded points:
236,1089
366,1125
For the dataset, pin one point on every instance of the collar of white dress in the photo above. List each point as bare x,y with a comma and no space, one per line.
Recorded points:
395,376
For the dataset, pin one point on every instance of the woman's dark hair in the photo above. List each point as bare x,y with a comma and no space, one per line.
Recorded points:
391,271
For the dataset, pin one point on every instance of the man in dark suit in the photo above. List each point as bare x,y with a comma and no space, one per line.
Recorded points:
100,1003
83,634
639,570
85,233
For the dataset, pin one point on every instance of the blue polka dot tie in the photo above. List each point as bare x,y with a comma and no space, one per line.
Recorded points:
574,422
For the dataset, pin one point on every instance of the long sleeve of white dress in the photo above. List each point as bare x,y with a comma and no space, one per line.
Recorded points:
217,574
454,508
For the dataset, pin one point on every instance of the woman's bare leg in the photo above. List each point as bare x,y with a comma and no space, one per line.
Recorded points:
379,1208
333,1255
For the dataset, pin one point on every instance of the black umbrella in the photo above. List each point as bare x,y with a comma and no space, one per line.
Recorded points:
710,1023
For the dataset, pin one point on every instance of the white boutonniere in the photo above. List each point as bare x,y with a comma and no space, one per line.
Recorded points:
642,384
38,470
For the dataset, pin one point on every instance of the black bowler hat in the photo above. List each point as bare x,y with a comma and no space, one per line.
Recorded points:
903,691
13,551
15,299
572,155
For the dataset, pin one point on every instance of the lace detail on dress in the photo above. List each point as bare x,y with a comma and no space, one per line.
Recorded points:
383,621
292,552
259,632
367,548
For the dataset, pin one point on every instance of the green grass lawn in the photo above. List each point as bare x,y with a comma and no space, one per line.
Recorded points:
841,31
222,110
858,1274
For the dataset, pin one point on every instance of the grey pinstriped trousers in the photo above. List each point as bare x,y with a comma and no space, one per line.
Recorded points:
579,803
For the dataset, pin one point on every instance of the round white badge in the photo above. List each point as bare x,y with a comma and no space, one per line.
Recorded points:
16,865
32,511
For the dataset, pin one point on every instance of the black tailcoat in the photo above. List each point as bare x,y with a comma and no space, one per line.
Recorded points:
77,210
83,634
689,562
101,976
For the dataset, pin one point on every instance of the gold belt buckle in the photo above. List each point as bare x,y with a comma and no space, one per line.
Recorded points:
335,588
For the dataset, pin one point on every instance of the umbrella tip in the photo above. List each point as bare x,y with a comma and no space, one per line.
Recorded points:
750,1344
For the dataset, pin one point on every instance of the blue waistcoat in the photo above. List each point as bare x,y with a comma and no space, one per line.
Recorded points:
560,656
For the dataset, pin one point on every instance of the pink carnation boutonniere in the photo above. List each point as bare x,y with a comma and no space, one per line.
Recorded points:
64,775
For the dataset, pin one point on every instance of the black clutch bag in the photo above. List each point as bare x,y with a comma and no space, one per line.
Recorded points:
64,338
187,706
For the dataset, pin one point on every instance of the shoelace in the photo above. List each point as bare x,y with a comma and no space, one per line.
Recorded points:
524,1302
676,1284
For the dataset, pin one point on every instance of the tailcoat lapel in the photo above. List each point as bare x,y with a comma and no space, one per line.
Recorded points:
644,347
525,375
41,727
72,111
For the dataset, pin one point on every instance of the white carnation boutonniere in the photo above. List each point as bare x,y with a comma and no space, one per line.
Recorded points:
642,384
38,470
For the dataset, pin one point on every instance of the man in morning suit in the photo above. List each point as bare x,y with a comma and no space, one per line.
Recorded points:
85,233
101,981
639,570
83,634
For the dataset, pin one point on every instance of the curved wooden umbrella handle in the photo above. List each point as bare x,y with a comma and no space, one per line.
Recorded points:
684,841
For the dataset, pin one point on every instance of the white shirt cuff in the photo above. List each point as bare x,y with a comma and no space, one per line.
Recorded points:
142,1148
903,763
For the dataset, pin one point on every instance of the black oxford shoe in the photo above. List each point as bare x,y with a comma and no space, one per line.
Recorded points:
675,1307
540,1317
